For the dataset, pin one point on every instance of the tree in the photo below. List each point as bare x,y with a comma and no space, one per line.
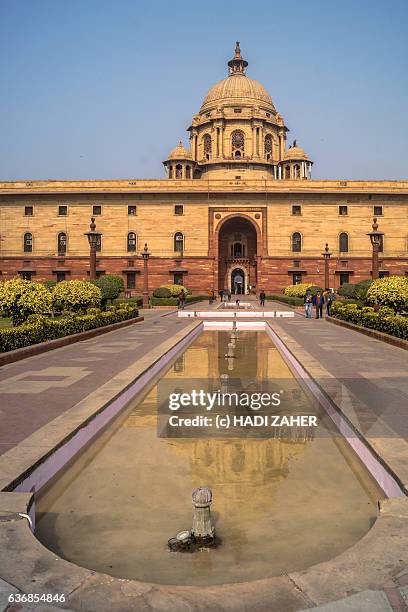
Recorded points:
19,298
111,287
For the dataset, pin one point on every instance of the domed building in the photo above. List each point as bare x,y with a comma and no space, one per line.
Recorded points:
238,210
238,131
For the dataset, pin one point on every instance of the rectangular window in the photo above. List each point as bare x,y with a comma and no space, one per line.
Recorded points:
383,274
296,278
96,210
132,210
378,211
237,110
61,276
62,210
238,178
131,280
344,278
296,210
28,211
343,210
26,275
296,263
179,209
178,278
179,364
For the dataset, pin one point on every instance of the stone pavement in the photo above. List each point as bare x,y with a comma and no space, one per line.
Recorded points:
37,389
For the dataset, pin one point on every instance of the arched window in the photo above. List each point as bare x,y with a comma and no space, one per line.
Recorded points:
179,171
207,145
188,172
343,242
287,172
178,242
238,249
28,243
268,146
131,242
238,143
296,242
62,243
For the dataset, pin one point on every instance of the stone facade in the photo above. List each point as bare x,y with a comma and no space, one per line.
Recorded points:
235,213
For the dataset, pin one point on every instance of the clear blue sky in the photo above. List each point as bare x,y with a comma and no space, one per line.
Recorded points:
104,89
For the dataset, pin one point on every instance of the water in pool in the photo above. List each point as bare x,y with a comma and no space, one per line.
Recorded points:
278,505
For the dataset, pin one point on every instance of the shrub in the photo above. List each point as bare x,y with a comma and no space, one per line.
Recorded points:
111,287
385,320
49,284
134,301
44,328
346,290
162,292
76,295
361,288
391,291
315,288
297,290
292,301
19,298
175,289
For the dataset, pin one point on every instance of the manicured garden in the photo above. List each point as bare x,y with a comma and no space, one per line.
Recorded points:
167,295
380,305
80,306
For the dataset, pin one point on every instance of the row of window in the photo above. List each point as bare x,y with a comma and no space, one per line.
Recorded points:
237,250
343,210
343,244
179,209
97,210
131,242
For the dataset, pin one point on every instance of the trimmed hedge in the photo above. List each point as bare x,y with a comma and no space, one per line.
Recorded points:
133,301
173,301
292,301
40,329
384,320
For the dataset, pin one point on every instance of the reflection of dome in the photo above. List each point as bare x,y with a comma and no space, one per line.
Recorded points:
296,153
179,152
237,88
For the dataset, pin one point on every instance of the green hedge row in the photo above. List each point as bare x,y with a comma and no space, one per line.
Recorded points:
384,320
136,301
292,301
39,328
173,301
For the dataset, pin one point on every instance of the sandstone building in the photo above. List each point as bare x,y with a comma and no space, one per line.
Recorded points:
238,209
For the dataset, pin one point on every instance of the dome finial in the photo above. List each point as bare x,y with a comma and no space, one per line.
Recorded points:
237,65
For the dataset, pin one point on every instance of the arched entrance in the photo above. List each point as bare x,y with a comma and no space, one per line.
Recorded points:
238,284
237,255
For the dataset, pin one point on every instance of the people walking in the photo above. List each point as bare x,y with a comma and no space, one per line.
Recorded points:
262,298
182,299
318,301
308,304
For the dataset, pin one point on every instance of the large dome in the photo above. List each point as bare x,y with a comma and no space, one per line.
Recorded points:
237,88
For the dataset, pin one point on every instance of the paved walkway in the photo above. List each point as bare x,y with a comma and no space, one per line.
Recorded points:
36,390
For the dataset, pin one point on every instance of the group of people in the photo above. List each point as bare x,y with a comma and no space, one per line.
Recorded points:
318,301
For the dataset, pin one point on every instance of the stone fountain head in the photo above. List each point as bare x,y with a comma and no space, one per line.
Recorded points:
202,528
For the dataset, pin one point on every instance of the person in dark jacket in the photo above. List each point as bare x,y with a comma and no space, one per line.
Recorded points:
182,299
318,302
262,297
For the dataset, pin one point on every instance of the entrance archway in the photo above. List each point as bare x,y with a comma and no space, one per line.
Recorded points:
237,255
238,284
